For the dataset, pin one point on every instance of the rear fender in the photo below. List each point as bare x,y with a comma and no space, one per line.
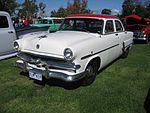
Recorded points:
127,44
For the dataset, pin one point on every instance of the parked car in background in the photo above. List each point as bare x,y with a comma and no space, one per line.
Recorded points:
7,36
140,27
84,44
52,22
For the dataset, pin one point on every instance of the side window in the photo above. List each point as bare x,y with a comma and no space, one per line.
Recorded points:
57,21
3,22
50,22
96,26
118,26
44,21
80,24
109,28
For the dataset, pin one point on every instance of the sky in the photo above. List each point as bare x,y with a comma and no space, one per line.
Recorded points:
94,5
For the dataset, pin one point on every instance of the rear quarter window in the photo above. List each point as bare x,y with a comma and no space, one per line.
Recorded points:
118,26
4,22
57,21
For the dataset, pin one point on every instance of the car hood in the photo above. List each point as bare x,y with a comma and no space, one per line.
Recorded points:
54,43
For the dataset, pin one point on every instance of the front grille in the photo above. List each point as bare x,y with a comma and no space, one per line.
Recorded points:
29,56
46,61
138,34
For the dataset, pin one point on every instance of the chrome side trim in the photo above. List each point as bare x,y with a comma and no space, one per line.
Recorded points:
87,56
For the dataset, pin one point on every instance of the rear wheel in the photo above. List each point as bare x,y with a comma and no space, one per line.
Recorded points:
90,74
125,53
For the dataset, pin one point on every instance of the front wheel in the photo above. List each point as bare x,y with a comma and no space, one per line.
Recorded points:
90,74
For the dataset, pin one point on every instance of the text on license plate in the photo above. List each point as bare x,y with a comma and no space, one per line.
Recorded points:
35,75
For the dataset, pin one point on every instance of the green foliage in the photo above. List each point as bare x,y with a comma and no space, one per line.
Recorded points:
28,8
8,6
147,14
141,11
137,7
61,12
78,6
128,7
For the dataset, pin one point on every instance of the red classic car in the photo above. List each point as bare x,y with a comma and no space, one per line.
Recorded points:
140,26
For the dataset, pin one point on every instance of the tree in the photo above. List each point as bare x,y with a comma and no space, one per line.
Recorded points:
137,7
53,13
77,6
147,6
42,7
128,7
84,6
141,10
148,9
8,5
29,8
146,3
61,12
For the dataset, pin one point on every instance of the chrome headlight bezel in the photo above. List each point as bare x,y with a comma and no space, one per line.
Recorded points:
68,54
16,46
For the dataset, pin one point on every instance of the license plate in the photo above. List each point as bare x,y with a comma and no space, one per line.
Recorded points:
35,75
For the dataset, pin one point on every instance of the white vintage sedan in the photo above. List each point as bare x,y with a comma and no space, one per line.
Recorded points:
84,44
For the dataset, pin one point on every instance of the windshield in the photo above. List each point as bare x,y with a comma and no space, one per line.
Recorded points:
83,24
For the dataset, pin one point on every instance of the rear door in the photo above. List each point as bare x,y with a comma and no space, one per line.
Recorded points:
7,34
121,34
111,40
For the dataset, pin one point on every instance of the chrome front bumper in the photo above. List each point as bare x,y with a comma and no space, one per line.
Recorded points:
50,74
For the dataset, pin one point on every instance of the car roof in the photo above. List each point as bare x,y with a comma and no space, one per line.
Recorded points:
91,16
3,12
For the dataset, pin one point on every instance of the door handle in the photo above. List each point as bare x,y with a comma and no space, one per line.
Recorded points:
10,32
116,34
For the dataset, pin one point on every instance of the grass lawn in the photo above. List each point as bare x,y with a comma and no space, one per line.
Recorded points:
120,88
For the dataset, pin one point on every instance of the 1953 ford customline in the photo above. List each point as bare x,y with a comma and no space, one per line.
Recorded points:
84,44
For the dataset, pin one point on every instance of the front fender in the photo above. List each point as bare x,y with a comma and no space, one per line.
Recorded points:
92,59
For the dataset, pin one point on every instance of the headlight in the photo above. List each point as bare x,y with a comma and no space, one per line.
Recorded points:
68,54
143,32
16,46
